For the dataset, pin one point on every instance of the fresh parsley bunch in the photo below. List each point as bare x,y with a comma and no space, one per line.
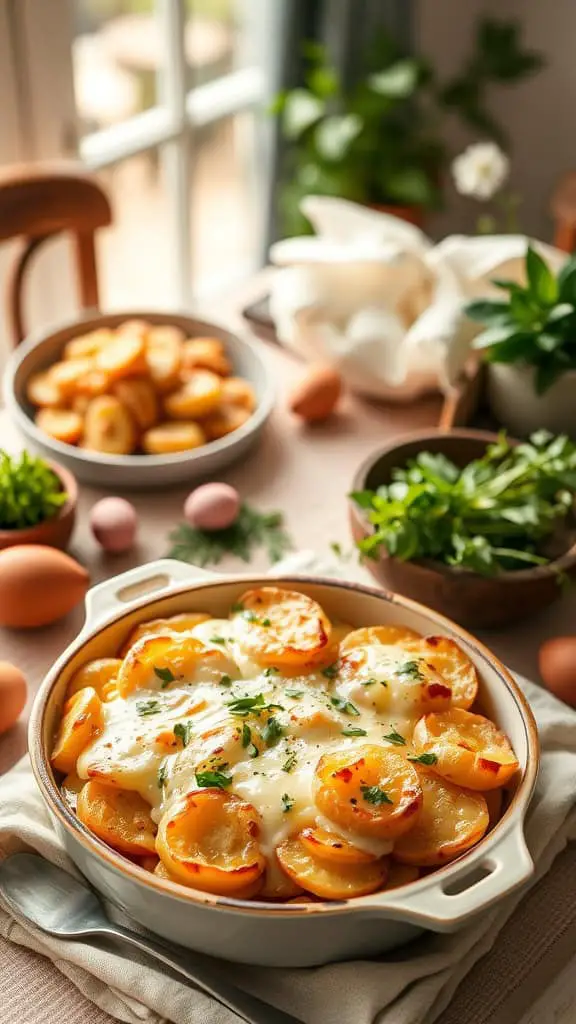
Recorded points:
535,325
497,513
30,492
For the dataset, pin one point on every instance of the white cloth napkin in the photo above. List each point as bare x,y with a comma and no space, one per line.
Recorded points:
410,986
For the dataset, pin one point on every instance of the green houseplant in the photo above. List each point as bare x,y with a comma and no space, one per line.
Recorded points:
380,141
37,501
529,342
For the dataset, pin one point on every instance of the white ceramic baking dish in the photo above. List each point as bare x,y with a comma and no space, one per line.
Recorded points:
290,934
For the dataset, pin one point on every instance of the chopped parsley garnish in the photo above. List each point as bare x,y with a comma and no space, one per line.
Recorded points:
290,762
294,693
375,795
225,680
237,607
369,682
162,774
331,671
217,640
412,669
423,759
287,802
395,738
272,732
183,731
266,622
165,675
148,707
271,671
345,706
253,751
351,730
216,779
251,616
243,706
247,742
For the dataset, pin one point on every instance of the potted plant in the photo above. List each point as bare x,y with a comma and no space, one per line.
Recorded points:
37,501
529,341
380,141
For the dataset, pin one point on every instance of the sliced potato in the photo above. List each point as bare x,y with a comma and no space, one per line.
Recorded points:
224,420
124,356
454,666
237,391
41,390
210,841
386,635
332,849
81,721
182,623
62,424
173,437
97,674
197,397
275,884
141,328
109,427
247,892
450,822
329,880
401,874
87,345
93,383
153,659
207,353
370,790
70,789
139,397
469,749
282,627
150,862
164,357
494,801
119,817
65,375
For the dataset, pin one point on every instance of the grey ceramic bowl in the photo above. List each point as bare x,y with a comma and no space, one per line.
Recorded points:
133,471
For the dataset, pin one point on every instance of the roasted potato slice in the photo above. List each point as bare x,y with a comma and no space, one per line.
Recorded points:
149,862
454,666
275,884
494,801
65,375
182,623
70,789
164,357
81,721
210,841
386,635
119,817
369,790
109,427
173,437
41,390
87,345
139,397
206,353
153,662
237,391
124,356
282,627
401,874
224,420
469,750
331,848
92,383
62,424
197,397
450,822
329,880
247,892
97,674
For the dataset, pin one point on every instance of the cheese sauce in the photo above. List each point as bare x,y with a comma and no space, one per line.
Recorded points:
259,732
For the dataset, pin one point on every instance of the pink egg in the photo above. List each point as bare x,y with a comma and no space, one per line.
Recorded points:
212,506
114,522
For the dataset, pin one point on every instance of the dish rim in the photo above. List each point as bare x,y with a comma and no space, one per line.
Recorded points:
96,847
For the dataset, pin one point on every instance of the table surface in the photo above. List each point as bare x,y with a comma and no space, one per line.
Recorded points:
303,470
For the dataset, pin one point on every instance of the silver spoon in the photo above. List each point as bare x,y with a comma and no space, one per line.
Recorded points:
58,904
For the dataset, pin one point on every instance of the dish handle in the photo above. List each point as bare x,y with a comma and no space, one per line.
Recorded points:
107,599
445,904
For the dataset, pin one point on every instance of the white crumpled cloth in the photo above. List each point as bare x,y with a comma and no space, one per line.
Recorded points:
371,295
411,986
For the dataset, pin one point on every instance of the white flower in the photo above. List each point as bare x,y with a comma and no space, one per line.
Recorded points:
481,170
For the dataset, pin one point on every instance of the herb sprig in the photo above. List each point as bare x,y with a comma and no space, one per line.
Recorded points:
30,492
252,530
497,513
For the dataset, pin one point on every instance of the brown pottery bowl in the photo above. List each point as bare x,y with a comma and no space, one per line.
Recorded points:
56,531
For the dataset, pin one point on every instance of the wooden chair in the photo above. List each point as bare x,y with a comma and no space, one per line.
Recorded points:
39,201
563,209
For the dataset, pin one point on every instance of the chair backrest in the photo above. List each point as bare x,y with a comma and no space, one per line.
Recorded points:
563,209
39,201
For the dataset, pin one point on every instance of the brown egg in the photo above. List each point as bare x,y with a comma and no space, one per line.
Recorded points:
315,396
557,663
12,695
38,585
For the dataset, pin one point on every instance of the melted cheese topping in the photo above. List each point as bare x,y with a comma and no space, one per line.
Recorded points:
163,739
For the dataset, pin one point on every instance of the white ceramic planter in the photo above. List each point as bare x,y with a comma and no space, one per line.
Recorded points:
284,935
515,403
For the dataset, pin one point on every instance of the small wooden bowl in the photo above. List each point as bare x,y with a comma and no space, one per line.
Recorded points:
54,532
475,601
